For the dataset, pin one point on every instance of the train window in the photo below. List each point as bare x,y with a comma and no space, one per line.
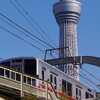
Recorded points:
63,86
24,79
51,78
76,93
33,82
80,94
18,77
91,96
87,95
12,75
55,82
89,90
43,74
69,89
7,63
17,67
7,73
16,60
28,80
1,71
30,66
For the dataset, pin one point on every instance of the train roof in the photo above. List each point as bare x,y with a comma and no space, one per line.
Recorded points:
18,58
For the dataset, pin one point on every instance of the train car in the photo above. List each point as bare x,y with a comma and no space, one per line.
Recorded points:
60,80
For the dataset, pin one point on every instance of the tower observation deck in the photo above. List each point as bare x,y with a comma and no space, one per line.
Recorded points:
67,13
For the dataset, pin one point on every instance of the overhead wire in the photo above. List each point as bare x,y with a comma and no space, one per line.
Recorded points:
27,31
23,33
91,74
22,39
28,21
35,22
87,79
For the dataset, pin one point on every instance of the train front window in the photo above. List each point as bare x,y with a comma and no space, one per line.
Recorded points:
6,63
1,71
30,66
16,60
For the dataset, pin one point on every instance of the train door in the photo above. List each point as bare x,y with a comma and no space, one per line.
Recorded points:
78,93
30,66
66,87
53,79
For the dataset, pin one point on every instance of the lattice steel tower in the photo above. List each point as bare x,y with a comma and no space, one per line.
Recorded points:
67,13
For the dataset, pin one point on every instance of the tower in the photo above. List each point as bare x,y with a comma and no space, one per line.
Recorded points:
67,13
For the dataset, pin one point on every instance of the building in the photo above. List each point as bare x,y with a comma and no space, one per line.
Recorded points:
67,13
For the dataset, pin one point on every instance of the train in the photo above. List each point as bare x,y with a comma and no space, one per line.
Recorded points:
60,80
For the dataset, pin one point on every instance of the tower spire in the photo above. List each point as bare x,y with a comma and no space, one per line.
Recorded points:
67,13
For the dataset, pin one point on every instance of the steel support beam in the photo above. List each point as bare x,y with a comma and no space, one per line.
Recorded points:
76,60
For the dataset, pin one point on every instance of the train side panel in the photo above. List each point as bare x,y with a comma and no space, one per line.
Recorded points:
62,81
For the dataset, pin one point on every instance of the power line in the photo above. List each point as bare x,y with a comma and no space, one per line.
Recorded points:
22,39
24,33
35,22
28,32
25,41
28,21
88,80
91,74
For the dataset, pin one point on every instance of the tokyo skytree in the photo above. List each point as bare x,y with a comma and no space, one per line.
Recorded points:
67,13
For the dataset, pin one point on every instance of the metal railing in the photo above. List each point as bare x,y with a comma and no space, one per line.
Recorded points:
26,84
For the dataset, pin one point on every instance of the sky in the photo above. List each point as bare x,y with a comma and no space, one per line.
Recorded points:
88,29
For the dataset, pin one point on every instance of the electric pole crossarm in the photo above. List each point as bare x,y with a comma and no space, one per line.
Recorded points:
75,60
